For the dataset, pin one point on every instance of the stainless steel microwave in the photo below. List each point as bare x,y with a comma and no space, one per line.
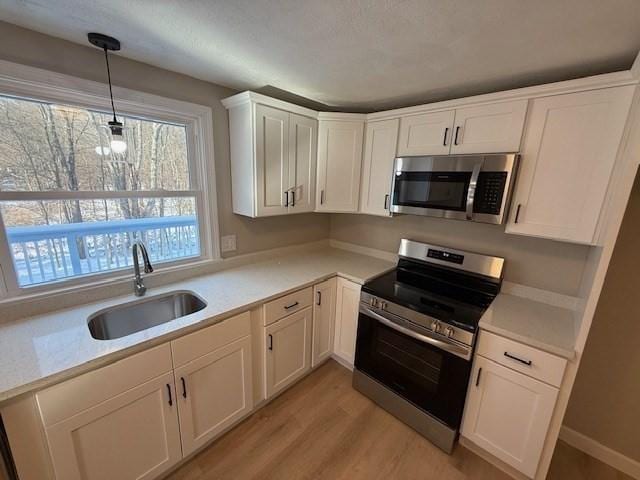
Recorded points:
462,187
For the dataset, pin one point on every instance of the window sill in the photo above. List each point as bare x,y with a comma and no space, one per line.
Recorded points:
162,275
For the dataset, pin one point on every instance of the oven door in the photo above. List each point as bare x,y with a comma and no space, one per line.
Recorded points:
433,379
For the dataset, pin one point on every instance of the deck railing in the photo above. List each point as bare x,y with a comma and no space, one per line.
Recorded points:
44,253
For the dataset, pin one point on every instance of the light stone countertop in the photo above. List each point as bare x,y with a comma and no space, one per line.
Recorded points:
533,323
39,351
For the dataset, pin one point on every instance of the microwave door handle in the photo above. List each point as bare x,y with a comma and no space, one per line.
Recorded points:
471,192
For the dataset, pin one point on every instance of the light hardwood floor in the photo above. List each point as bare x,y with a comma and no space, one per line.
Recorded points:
323,428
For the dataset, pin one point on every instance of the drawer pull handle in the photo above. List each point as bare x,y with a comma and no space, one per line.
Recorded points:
170,397
270,342
287,307
528,363
184,387
478,377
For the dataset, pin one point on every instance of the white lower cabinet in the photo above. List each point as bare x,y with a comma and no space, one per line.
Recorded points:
214,391
133,435
288,350
508,414
347,304
324,316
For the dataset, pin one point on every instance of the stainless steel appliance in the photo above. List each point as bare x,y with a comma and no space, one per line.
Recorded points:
462,187
416,331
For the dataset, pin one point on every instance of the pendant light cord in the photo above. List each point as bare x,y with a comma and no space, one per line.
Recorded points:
106,57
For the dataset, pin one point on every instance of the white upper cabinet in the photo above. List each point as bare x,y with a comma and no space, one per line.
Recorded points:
302,163
492,128
426,134
273,155
339,163
272,160
568,155
377,166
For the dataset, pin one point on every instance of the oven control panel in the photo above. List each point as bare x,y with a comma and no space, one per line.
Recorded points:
417,320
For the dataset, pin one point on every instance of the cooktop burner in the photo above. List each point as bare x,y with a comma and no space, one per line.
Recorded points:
425,282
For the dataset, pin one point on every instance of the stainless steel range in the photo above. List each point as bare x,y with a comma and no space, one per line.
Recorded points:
416,332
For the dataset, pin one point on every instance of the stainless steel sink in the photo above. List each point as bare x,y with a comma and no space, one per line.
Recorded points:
122,320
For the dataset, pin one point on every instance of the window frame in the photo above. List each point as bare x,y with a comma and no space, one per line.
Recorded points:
29,83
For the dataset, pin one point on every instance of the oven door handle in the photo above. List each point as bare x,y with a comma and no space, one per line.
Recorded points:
471,191
458,350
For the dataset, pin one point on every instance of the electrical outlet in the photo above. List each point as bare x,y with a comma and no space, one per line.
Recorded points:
228,243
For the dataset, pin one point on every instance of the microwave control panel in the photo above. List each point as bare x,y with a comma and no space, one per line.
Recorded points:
489,192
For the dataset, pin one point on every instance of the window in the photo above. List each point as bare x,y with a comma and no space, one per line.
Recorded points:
71,207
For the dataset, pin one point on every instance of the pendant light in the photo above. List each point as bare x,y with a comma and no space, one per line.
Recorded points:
106,43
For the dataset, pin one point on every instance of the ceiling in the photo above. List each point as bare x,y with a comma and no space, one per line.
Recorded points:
356,54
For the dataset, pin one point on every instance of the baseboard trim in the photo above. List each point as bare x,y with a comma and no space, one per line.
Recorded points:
370,252
601,452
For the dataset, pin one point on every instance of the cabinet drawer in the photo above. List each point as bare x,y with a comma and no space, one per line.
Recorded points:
528,360
283,306
194,345
78,394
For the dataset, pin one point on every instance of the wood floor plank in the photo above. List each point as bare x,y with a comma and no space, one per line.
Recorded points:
323,429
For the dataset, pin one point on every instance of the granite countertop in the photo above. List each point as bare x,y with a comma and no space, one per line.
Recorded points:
533,323
46,349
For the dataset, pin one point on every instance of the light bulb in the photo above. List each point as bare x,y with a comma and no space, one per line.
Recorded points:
103,150
118,146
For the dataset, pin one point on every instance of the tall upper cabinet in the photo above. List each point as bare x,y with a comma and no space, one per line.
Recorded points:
377,166
339,162
567,159
273,155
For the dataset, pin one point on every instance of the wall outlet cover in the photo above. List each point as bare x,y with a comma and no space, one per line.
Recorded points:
228,243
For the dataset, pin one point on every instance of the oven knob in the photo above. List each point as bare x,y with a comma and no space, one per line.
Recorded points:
435,326
372,301
383,306
449,331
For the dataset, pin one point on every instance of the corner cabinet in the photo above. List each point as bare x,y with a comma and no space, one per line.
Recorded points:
273,156
377,166
567,159
339,162
489,128
324,316
347,306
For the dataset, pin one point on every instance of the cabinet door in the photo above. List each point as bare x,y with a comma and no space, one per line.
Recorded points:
508,414
339,163
377,166
490,128
303,151
288,350
272,160
426,134
347,303
568,155
214,392
324,314
133,436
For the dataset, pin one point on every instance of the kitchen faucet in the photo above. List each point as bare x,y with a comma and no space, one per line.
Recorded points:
138,285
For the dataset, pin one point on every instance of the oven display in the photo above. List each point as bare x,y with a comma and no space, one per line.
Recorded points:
445,256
